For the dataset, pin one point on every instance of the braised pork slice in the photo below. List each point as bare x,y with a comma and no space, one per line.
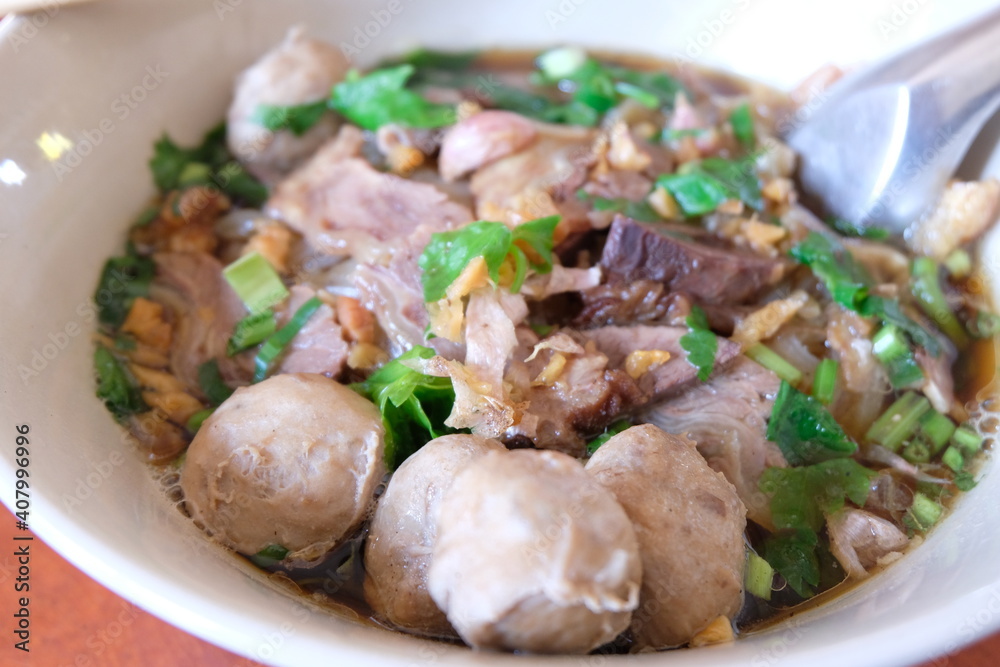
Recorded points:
710,275
727,418
533,555
298,71
403,531
338,201
205,310
689,523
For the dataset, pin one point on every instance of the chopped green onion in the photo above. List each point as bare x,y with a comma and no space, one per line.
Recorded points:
958,264
917,451
953,458
964,481
847,228
983,325
926,287
670,134
936,429
279,340
892,349
270,555
898,423
195,421
773,361
968,441
256,282
643,97
251,330
923,514
741,120
212,383
759,576
825,381
560,63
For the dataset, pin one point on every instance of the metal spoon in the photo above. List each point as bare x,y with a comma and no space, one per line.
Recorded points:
880,149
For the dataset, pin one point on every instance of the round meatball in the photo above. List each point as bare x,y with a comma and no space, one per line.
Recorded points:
533,555
298,71
293,460
403,531
690,525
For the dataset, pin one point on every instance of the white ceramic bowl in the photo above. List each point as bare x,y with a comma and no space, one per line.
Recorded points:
86,91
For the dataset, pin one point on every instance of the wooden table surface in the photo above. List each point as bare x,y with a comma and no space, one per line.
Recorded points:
76,622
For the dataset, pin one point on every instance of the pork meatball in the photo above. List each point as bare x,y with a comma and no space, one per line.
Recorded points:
293,460
533,555
689,522
403,531
298,71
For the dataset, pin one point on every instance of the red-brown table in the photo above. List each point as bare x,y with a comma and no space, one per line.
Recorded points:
76,622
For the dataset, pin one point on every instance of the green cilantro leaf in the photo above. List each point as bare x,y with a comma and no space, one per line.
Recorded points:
209,163
298,118
380,98
115,385
793,555
413,405
122,280
448,253
800,497
700,343
804,430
